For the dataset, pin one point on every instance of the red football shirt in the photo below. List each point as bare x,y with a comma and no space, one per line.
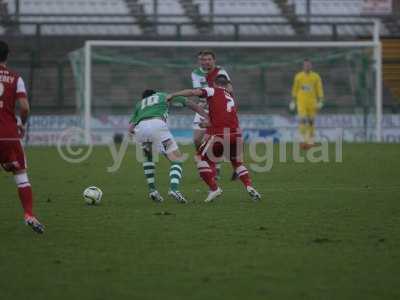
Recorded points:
12,87
222,111
213,74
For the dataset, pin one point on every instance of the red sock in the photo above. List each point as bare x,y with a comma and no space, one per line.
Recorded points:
24,192
207,174
25,195
243,175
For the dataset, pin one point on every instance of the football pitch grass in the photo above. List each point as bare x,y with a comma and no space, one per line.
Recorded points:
321,231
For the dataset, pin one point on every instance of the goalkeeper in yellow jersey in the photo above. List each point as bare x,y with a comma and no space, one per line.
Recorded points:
308,97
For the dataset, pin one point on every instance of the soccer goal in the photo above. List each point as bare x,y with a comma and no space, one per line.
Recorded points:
110,75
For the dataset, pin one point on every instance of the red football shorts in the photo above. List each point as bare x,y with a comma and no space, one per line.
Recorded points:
12,155
217,148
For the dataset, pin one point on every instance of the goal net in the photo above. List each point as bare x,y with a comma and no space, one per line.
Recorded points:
111,75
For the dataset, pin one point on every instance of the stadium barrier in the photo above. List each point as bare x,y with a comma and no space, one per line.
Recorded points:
49,130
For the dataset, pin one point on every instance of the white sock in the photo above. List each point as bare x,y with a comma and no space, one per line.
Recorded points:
22,180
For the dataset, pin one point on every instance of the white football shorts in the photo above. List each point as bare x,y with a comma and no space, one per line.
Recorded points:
197,119
157,132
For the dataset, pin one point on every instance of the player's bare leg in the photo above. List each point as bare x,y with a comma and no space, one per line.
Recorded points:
176,171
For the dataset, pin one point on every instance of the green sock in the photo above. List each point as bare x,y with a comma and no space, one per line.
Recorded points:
175,175
149,172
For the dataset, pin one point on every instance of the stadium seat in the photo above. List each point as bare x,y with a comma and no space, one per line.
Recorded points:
173,13
246,8
76,8
341,11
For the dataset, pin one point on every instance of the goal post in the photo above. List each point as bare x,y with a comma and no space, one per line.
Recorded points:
118,53
379,79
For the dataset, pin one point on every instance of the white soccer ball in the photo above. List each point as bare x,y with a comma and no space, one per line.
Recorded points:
92,195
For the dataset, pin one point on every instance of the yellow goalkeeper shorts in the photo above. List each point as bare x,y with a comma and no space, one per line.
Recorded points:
307,110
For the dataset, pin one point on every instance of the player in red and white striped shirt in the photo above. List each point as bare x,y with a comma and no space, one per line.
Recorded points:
12,156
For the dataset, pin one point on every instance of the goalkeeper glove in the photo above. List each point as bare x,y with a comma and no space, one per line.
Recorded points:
292,105
320,104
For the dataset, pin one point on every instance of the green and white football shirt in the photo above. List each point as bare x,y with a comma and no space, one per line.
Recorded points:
200,77
155,106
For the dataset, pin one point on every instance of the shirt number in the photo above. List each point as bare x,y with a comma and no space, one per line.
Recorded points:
149,101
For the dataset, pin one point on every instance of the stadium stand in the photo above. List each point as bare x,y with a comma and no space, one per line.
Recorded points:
72,11
239,11
171,11
340,11
2,29
192,11
201,13
4,15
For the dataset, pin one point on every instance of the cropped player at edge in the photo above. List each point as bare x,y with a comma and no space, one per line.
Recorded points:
149,124
203,76
308,97
223,135
12,156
